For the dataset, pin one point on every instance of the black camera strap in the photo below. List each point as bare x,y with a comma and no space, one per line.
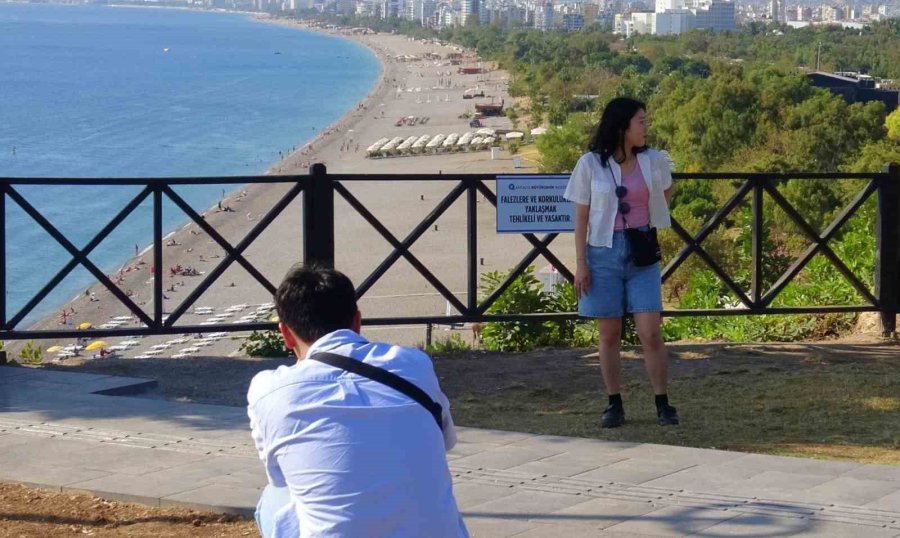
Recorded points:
384,377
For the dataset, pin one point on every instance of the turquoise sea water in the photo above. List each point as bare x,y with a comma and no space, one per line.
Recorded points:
91,91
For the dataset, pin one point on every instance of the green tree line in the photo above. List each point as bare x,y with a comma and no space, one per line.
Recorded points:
737,102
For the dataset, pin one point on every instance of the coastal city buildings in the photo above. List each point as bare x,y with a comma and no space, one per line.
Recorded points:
624,17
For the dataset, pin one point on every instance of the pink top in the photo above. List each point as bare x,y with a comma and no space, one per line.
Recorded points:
638,198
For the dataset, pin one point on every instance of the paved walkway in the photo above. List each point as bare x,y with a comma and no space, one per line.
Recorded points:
63,430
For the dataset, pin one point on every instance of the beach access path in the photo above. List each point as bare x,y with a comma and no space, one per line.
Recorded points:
359,247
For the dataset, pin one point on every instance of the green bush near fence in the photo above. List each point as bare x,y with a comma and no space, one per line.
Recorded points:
31,353
265,344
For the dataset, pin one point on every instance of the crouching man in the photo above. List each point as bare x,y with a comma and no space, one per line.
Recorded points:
354,434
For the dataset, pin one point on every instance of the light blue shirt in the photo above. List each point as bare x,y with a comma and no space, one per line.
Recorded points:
359,458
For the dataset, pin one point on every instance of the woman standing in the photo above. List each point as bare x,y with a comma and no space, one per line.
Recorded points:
621,190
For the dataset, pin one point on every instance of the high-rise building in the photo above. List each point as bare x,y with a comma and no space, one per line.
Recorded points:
590,12
777,11
390,8
668,5
573,22
469,12
345,7
673,22
543,15
719,17
643,22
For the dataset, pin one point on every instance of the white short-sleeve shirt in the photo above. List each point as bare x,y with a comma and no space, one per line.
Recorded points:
594,185
359,458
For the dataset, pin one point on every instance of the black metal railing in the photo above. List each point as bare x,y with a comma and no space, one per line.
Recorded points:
318,190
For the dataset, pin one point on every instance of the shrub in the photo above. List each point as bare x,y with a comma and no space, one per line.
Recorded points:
453,344
31,353
265,344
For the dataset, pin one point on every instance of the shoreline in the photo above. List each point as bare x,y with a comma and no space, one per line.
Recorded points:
243,190
359,247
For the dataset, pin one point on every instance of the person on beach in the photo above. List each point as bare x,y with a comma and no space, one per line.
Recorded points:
347,455
621,190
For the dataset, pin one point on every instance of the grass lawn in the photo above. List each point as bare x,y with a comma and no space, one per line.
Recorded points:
831,400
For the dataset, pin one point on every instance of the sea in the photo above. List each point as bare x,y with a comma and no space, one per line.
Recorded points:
123,92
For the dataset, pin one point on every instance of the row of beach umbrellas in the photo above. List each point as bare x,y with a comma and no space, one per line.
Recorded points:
440,141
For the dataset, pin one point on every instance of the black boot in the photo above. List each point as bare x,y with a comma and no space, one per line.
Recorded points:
666,414
613,416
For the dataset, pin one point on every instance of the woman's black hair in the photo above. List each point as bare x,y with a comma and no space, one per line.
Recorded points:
610,133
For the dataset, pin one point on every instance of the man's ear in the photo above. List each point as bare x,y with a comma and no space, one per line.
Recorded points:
289,340
356,324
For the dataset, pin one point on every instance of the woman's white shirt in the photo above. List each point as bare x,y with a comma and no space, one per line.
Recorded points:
593,185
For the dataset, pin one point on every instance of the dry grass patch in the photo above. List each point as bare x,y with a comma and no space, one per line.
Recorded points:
819,400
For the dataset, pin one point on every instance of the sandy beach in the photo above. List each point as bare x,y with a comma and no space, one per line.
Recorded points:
359,247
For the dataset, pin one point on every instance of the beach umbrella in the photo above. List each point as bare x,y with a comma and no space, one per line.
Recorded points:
537,131
85,325
514,134
54,349
96,344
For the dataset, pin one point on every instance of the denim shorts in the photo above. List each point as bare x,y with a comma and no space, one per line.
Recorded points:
617,286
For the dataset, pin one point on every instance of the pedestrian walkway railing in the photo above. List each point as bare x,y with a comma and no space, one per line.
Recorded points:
319,188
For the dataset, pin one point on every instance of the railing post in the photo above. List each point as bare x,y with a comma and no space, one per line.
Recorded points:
318,218
3,264
756,272
472,249
887,248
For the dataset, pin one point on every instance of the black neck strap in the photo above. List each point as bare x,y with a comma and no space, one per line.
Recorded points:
385,378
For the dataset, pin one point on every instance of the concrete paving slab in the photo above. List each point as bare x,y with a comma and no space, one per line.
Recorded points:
480,527
567,464
48,475
496,437
633,471
251,478
674,521
574,445
39,450
524,503
503,457
763,462
129,460
603,513
876,472
217,497
468,448
568,530
850,491
703,478
888,502
759,526
775,485
469,494
144,489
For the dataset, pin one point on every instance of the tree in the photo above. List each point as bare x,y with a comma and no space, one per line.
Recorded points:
561,146
892,124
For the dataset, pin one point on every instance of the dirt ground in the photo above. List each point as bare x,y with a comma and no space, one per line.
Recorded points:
38,513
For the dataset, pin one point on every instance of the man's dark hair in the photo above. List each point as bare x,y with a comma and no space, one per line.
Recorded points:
314,301
610,133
